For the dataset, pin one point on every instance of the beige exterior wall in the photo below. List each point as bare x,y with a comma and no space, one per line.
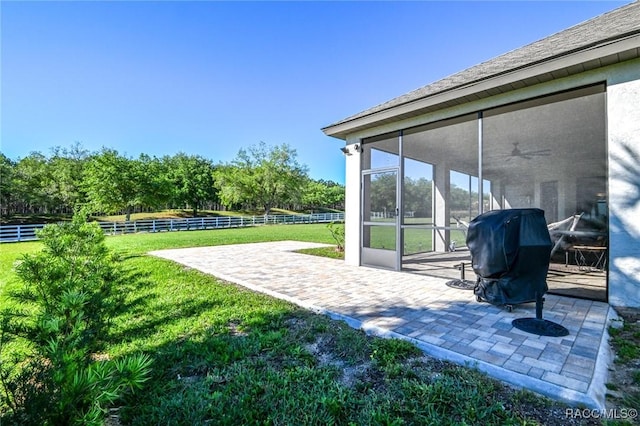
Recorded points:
352,204
623,121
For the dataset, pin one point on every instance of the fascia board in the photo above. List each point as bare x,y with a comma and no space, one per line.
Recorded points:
553,65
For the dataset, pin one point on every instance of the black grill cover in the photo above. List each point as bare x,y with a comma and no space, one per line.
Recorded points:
510,252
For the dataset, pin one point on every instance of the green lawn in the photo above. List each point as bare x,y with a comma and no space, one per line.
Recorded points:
9,254
225,355
416,240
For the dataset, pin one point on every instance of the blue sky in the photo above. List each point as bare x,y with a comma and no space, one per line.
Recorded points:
211,77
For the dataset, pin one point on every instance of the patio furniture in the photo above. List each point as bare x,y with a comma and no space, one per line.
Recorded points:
555,230
589,258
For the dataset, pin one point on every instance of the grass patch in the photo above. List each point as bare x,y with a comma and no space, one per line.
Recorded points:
139,244
330,252
626,341
225,355
416,240
392,351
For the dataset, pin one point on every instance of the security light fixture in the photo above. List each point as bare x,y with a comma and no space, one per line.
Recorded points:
345,150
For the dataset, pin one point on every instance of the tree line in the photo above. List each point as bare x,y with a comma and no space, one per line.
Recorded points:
418,195
108,182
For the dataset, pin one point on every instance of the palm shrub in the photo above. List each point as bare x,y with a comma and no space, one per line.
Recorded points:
61,315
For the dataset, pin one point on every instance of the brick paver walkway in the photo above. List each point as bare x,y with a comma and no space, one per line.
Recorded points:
444,322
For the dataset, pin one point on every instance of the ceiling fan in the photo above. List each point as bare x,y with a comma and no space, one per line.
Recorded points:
527,155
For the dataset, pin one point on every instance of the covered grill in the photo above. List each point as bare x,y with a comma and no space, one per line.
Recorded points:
510,254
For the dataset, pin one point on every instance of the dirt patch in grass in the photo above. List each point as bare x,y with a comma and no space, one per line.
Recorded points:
623,386
364,369
304,368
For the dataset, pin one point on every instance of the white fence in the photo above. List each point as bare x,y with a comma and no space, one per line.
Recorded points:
15,233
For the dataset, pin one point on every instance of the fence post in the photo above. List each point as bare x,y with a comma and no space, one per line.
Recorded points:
19,236
153,225
170,224
202,221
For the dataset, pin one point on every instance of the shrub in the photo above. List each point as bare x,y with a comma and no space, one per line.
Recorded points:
62,312
337,232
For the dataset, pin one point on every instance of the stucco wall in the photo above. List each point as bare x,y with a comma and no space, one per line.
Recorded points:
352,204
623,120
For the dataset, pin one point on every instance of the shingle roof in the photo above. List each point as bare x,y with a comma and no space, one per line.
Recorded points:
617,24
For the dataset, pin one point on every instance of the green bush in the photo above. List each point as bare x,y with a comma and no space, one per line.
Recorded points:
337,232
62,313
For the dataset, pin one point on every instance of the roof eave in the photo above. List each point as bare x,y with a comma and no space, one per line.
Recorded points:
571,63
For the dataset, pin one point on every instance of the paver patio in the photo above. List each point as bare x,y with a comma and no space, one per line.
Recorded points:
444,322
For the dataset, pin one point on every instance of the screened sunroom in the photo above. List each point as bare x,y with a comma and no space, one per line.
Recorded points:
422,185
553,125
